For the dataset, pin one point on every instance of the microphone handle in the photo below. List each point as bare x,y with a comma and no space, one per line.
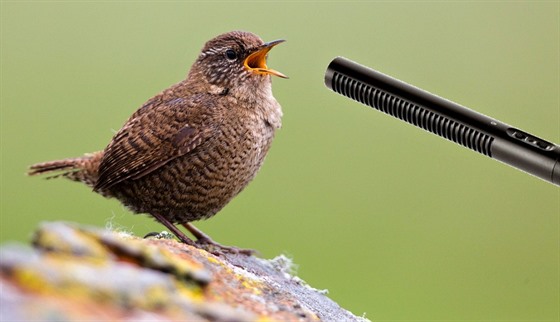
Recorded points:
447,119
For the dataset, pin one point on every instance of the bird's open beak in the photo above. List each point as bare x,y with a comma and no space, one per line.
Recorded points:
256,62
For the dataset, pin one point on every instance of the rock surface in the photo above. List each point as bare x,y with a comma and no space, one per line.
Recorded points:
74,272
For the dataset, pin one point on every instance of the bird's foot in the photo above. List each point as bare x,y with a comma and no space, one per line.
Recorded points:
215,248
208,244
161,235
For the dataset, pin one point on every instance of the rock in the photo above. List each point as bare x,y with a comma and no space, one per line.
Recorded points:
74,272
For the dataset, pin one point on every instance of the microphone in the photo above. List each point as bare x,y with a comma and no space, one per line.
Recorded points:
446,119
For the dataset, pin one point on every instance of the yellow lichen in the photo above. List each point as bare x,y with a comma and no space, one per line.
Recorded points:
30,280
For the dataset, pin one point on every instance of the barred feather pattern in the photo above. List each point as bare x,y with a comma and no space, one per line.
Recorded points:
82,169
190,149
193,173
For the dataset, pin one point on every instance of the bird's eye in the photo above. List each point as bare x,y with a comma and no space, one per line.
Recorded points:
231,54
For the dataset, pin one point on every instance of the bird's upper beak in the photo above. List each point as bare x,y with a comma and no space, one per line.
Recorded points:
256,62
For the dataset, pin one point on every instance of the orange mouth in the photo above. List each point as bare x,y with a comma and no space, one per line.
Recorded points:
256,62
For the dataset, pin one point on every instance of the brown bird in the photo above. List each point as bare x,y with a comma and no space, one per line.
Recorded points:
185,153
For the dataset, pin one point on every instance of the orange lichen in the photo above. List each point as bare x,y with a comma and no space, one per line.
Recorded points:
83,273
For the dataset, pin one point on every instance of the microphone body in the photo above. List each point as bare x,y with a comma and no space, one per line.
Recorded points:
447,119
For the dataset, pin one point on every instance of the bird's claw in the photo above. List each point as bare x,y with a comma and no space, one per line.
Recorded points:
161,235
218,249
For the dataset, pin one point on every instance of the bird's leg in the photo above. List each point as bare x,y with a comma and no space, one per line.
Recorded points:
182,237
203,239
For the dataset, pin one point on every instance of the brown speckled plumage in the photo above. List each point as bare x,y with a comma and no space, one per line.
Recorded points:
189,150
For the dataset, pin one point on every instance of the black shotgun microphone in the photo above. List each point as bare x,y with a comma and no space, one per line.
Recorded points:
449,120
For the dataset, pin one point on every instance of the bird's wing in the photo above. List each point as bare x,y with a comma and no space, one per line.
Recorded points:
148,142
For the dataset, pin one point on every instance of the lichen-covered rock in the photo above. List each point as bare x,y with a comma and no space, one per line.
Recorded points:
82,273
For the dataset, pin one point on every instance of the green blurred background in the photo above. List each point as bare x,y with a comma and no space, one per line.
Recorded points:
393,221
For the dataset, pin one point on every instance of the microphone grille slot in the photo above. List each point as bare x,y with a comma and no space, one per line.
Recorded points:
412,113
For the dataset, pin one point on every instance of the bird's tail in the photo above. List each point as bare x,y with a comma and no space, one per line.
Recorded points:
83,169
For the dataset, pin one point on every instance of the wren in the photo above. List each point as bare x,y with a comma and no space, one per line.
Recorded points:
185,153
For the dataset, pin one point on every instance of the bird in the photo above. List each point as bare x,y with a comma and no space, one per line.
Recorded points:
189,150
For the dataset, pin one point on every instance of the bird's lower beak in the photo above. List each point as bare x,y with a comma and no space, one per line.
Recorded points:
256,62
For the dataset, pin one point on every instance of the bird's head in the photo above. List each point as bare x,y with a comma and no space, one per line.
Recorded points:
235,60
